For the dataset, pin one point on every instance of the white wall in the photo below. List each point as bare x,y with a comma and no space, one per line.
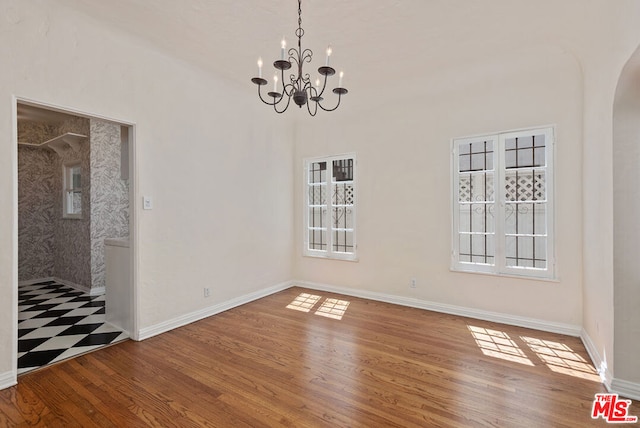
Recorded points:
404,197
602,62
626,197
220,180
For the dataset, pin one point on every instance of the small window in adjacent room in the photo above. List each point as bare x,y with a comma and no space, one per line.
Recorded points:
503,203
72,193
330,207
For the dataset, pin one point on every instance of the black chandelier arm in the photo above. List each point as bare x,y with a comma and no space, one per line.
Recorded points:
276,95
315,110
324,86
338,91
275,105
262,99
290,88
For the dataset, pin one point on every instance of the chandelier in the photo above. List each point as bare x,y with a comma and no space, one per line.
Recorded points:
299,86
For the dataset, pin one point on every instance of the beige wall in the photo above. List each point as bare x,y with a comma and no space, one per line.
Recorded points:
221,182
626,238
404,201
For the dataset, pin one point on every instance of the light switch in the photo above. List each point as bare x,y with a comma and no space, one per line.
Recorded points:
147,203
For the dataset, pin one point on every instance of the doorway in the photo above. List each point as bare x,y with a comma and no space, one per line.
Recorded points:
74,224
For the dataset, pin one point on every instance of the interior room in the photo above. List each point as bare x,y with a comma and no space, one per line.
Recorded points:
73,199
410,194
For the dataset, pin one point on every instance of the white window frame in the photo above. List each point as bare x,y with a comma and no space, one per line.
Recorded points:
68,190
500,267
329,253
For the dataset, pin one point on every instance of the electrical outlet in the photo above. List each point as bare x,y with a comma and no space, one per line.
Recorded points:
207,292
412,283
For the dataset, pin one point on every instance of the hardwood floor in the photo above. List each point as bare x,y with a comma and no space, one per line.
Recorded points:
268,363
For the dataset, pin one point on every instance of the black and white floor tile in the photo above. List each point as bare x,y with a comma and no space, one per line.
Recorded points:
56,322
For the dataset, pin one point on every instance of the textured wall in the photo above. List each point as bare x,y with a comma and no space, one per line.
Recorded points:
36,213
70,249
72,236
109,195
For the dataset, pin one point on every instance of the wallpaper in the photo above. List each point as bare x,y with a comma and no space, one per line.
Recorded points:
70,249
35,132
73,236
109,194
36,213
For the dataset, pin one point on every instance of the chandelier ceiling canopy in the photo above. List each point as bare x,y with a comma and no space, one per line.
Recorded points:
299,86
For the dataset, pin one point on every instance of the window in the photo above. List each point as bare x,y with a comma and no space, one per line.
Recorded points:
330,209
72,194
508,231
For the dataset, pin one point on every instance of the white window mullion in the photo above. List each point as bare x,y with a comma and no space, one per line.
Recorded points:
500,205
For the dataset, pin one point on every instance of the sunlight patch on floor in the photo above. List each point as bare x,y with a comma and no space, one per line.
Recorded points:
498,344
304,302
333,308
560,358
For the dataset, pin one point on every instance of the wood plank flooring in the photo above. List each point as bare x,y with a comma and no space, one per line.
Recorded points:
270,363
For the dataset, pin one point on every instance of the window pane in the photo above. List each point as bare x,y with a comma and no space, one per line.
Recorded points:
318,240
525,219
539,156
464,163
343,170
525,185
315,217
343,194
539,140
481,187
476,156
527,252
343,218
76,178
540,246
318,172
318,195
476,218
523,152
465,248
477,248
343,241
477,162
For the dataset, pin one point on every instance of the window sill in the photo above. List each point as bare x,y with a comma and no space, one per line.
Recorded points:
328,257
508,275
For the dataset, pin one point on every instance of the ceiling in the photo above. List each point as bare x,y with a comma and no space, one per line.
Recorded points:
382,46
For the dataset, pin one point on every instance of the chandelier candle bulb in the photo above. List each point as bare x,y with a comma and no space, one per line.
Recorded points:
260,68
283,46
329,50
340,79
275,83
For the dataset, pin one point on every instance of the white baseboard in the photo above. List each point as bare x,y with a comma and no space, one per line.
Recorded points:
598,362
8,379
97,291
182,320
626,389
566,329
73,285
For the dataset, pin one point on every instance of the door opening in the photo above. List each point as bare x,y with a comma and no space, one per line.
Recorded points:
75,253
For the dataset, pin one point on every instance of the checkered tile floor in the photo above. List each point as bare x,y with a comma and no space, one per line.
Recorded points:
56,322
